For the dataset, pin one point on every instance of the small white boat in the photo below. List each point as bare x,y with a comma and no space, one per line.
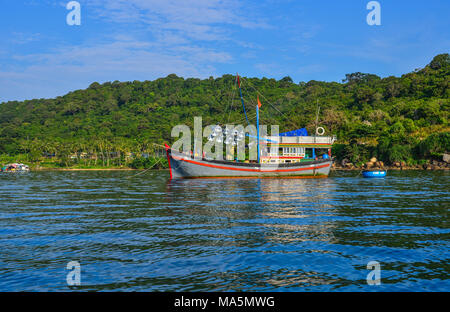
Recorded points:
16,167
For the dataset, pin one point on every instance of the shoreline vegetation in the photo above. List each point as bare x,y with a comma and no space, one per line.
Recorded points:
91,163
160,163
164,169
334,168
402,121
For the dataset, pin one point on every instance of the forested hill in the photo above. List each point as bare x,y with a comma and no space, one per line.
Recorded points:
391,117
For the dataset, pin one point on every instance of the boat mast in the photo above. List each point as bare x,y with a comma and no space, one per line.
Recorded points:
258,104
257,128
315,128
242,98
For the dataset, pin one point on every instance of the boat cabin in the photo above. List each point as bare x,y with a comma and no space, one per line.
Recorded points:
295,146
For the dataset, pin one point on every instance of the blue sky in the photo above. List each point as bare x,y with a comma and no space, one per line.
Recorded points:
41,56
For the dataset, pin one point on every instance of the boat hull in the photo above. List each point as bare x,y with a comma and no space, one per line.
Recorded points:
182,166
374,174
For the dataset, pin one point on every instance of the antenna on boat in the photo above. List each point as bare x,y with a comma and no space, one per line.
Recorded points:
315,128
317,113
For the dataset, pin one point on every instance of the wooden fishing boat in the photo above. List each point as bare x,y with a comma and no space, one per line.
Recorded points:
289,154
184,166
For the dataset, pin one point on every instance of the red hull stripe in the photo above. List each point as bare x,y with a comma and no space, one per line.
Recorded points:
262,177
246,169
282,157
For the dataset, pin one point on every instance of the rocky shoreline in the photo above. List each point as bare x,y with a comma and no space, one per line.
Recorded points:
374,164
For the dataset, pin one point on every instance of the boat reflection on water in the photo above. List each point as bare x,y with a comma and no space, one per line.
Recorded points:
303,211
283,222
144,234
280,210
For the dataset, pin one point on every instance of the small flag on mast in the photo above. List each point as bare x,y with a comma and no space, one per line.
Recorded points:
259,103
238,81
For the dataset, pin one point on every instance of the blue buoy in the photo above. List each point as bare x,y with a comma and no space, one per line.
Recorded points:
374,173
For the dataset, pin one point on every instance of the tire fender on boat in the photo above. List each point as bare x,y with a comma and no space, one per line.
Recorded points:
320,131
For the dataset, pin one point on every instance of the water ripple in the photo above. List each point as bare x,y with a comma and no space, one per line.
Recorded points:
148,233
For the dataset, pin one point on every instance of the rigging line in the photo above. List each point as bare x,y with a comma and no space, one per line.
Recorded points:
247,112
232,99
217,101
242,99
235,122
241,120
252,102
248,116
286,118
249,99
232,104
229,115
266,119
252,115
135,175
251,85
263,121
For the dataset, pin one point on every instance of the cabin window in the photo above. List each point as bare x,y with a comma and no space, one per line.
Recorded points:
301,151
308,153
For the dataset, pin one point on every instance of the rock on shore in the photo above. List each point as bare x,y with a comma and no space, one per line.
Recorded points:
398,165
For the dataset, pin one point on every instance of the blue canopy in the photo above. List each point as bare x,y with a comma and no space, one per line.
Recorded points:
298,132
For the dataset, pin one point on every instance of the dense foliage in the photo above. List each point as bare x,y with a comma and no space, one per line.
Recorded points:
394,118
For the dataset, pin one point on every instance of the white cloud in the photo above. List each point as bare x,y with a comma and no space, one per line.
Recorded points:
156,38
198,20
67,68
287,69
177,30
270,69
24,38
